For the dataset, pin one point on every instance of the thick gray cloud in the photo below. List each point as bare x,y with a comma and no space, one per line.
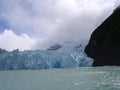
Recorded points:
51,21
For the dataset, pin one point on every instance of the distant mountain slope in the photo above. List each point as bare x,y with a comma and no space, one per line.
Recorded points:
54,47
68,46
72,45
104,44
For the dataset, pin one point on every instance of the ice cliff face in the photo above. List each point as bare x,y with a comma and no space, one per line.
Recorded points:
70,55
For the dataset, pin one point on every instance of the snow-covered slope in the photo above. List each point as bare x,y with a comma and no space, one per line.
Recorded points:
71,45
70,55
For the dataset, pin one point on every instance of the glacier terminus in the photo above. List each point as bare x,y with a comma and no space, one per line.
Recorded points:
69,55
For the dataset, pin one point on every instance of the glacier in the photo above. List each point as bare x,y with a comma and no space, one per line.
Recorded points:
70,55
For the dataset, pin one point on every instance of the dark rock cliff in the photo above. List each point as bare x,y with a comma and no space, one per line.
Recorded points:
104,44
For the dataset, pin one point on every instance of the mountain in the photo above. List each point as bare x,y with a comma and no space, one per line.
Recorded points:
54,47
70,55
71,45
104,44
67,46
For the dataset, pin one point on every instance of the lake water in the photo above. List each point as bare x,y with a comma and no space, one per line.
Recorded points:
97,78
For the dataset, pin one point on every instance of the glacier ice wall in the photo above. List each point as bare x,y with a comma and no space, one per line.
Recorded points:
39,59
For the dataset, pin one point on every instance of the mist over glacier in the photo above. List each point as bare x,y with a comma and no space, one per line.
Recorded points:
49,22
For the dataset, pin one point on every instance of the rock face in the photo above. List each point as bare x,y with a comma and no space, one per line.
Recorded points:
104,44
54,47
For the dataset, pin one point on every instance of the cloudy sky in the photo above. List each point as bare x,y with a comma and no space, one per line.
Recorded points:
36,24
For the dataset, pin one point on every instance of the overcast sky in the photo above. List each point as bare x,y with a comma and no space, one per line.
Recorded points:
36,24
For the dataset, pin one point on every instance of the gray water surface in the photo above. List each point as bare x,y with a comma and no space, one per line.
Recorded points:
93,78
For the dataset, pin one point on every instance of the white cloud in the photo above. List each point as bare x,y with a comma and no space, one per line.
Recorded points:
51,21
9,41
